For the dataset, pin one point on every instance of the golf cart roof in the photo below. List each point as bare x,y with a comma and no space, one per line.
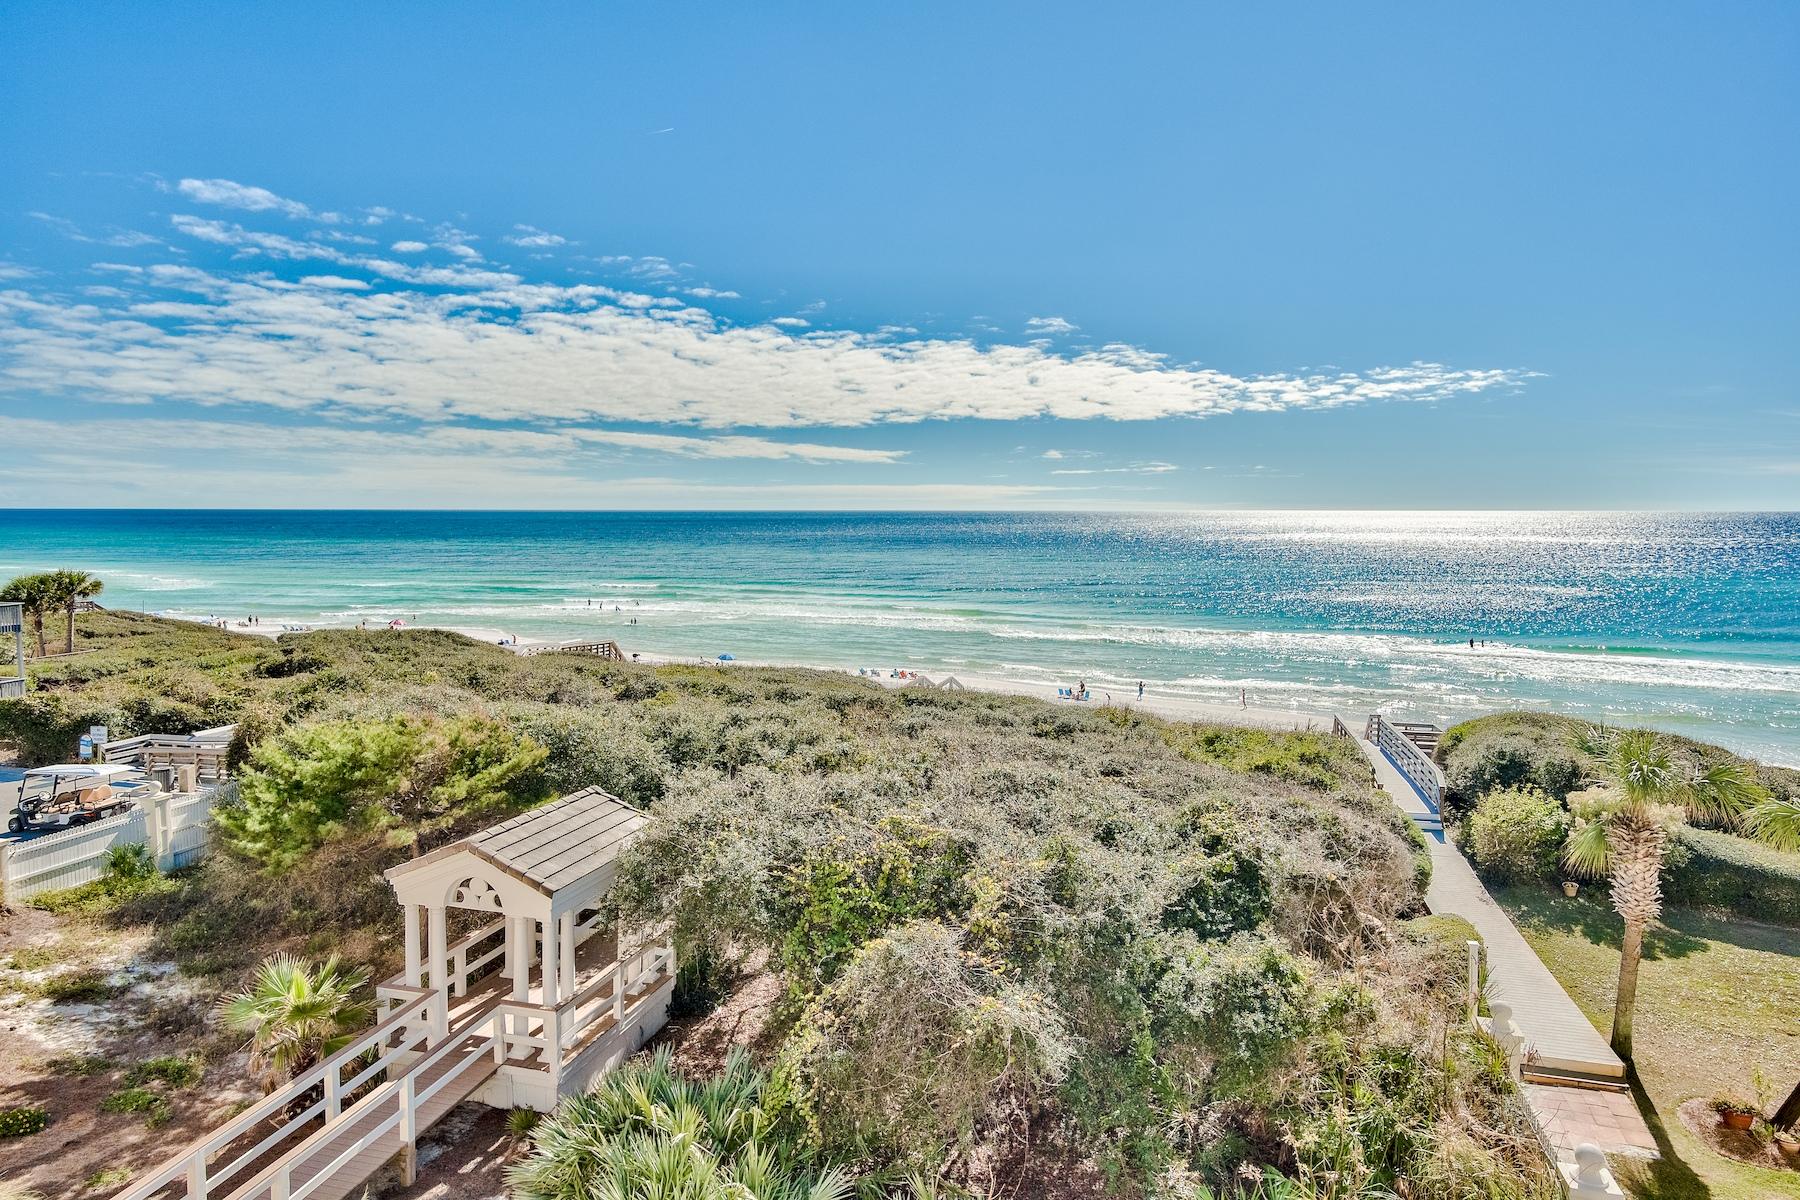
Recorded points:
81,771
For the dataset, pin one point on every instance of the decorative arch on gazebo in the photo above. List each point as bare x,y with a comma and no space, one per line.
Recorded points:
476,892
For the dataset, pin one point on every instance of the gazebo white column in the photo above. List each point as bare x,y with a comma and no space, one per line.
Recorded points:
566,939
414,967
552,971
440,947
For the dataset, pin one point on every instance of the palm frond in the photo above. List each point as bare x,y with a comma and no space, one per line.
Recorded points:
1588,852
1776,821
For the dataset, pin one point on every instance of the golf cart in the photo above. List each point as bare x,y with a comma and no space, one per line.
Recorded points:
71,794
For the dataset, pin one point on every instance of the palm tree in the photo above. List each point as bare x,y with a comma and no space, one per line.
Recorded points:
69,589
296,1014
35,593
1777,821
1645,791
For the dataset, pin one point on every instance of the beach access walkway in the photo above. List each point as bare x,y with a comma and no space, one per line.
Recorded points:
1574,1084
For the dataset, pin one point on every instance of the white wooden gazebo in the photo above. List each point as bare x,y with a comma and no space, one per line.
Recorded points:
574,995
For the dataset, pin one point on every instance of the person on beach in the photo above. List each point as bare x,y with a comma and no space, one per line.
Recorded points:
1140,689
1243,698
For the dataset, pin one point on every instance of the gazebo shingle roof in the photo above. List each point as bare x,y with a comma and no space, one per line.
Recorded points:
557,844
554,845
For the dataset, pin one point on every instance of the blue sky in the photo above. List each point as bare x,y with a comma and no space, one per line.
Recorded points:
989,256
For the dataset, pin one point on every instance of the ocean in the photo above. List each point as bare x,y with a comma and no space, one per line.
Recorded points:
1688,622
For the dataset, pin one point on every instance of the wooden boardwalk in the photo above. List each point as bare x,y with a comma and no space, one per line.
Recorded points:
331,1164
1558,1035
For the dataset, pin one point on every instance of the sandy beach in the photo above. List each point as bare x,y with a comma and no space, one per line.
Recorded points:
1174,708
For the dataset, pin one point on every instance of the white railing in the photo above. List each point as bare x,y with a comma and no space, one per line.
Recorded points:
413,1025
173,825
1407,758
464,963
12,689
68,859
407,1094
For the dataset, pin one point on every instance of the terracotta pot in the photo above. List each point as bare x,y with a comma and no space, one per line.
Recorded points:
1570,887
1737,1120
1788,1146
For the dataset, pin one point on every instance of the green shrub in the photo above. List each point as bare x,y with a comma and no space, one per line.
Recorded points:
130,863
22,1120
918,1040
1516,834
1245,1003
153,1106
644,1130
311,785
1525,751
78,987
1733,874
172,1070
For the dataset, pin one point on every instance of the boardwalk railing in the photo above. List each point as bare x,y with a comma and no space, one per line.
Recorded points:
411,1027
1407,758
607,650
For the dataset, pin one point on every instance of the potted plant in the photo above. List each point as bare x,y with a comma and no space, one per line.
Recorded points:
1735,1114
1570,887
1788,1142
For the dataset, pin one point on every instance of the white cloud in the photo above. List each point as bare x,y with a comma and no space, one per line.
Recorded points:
1050,325
525,235
409,247
1053,454
333,281
707,293
450,343
230,194
792,322
1141,468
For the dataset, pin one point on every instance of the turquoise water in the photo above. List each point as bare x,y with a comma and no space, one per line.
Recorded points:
1688,622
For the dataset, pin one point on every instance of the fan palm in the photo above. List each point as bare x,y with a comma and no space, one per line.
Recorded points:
35,595
646,1131
296,1014
70,588
1646,791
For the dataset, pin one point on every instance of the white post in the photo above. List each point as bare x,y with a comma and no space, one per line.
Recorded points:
334,1083
196,1174
552,969
154,817
521,979
1589,1177
1474,979
440,945
1507,1035
566,936
409,1134
413,965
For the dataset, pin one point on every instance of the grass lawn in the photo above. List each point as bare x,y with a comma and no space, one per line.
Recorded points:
1717,998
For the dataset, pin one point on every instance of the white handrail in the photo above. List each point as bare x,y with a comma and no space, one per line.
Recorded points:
1406,756
279,1176
193,1162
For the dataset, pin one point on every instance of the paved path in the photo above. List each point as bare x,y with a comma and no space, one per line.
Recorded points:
1558,1034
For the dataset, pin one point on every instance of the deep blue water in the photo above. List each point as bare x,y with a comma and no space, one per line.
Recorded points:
1691,622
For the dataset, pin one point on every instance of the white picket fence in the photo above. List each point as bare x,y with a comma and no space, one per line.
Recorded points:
173,825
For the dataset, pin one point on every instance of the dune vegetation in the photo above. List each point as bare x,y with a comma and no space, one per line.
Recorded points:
1017,944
